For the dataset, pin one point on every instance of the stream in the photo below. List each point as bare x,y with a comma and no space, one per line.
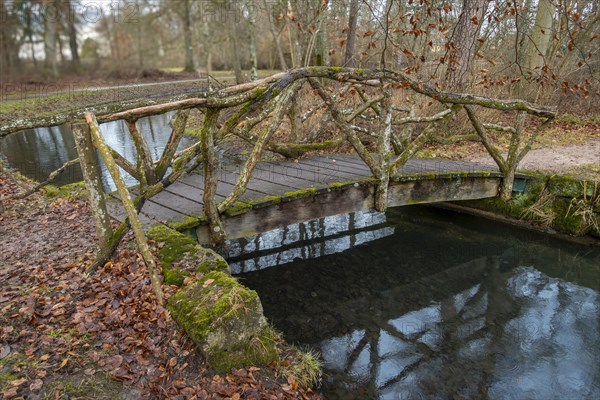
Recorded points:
37,152
423,303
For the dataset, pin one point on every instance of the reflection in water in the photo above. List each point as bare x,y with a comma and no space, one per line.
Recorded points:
38,152
445,306
305,240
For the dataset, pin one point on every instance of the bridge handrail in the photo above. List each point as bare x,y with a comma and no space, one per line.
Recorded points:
258,110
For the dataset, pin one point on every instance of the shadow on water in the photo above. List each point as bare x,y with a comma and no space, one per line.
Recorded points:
421,303
38,152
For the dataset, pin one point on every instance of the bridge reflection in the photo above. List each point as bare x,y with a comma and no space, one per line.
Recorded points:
451,313
306,240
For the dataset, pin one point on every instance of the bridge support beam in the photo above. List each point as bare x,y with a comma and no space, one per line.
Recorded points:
272,214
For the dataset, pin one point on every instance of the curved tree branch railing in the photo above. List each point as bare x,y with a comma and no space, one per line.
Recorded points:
257,112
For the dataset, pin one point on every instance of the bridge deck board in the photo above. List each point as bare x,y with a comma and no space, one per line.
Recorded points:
276,178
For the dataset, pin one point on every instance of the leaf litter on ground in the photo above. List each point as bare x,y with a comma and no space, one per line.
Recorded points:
64,334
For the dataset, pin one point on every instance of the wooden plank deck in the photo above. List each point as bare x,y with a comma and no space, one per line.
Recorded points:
283,192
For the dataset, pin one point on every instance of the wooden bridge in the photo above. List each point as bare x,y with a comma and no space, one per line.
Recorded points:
385,116
286,192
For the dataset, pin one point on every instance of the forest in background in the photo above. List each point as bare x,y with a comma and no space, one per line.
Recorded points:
539,50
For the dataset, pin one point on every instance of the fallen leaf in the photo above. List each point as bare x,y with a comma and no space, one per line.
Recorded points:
10,393
63,364
36,385
5,351
208,282
18,382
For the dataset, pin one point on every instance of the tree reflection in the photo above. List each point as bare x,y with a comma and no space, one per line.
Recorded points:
489,341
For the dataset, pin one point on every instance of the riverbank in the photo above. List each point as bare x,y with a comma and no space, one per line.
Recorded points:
64,334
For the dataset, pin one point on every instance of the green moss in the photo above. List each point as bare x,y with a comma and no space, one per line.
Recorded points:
225,320
238,207
181,255
71,191
554,201
567,221
217,264
260,350
5,379
174,276
295,150
568,186
301,193
51,191
176,247
192,133
355,183
184,223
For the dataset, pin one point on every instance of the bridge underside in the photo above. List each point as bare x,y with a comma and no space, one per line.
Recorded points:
283,193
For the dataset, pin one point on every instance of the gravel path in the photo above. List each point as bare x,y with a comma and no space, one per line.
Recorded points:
555,159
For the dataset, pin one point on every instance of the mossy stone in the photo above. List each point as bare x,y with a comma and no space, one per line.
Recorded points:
180,255
71,191
225,320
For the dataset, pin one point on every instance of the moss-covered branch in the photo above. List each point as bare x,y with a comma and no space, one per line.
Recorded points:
211,165
282,103
128,204
345,127
487,142
179,124
265,88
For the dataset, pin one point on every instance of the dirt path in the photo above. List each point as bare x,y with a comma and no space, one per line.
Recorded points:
581,158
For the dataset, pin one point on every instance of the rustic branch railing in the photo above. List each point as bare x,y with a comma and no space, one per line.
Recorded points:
259,110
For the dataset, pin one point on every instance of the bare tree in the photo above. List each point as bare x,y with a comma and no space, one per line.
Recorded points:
72,29
51,15
463,41
351,36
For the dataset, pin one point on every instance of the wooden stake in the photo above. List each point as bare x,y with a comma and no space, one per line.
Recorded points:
134,220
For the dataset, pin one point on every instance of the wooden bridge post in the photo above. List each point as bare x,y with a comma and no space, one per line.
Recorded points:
210,165
93,184
385,133
128,204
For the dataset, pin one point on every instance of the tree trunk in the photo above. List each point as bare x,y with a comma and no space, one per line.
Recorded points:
385,133
351,37
535,50
72,35
273,29
9,49
252,35
206,47
187,38
211,166
237,66
464,38
541,34
140,42
50,33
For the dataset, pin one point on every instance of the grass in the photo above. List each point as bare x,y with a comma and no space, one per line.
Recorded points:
587,207
305,368
541,210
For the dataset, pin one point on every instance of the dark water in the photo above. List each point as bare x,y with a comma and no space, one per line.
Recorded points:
421,303
38,152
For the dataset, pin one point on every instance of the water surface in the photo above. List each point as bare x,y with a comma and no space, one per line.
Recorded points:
38,152
421,303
